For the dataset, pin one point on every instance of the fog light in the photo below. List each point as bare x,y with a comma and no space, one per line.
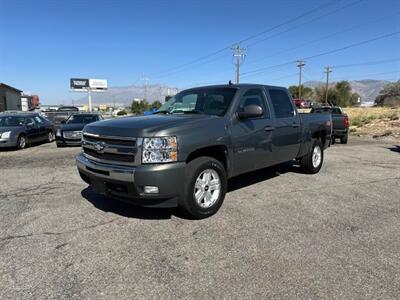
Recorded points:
151,189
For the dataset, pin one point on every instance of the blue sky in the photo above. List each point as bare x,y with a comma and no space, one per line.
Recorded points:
44,43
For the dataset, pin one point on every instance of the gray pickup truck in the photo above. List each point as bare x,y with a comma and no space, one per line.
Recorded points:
184,153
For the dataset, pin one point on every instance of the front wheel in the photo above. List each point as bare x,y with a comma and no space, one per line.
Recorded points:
205,187
311,163
22,142
50,137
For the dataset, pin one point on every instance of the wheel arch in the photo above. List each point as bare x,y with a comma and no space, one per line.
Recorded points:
218,152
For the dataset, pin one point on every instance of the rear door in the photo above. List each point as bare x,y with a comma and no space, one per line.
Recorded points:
286,139
251,138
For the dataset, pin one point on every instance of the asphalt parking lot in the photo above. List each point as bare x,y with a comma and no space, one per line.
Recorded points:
279,234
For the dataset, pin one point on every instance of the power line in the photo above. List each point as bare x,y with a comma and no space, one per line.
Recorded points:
324,37
286,22
353,45
368,63
305,23
366,75
327,52
247,38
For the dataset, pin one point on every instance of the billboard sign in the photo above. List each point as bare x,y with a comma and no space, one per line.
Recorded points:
79,83
98,84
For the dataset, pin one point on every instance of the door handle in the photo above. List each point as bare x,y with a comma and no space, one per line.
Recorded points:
295,125
269,128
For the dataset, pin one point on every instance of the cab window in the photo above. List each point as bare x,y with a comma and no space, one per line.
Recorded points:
254,97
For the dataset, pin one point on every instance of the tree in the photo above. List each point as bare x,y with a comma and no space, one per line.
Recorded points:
306,92
389,95
156,104
344,96
340,94
138,107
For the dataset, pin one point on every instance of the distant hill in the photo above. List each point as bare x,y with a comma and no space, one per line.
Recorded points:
368,89
124,95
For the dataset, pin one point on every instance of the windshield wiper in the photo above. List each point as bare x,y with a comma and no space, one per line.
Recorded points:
192,112
166,112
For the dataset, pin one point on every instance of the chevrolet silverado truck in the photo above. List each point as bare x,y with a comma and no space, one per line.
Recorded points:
184,153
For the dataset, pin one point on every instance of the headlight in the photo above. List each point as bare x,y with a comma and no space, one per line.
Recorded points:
159,150
5,135
58,132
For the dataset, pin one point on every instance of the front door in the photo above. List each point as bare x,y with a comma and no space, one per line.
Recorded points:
32,130
251,138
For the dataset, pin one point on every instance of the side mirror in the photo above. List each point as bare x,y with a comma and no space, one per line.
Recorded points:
251,111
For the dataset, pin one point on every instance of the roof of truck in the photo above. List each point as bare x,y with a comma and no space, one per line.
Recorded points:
234,85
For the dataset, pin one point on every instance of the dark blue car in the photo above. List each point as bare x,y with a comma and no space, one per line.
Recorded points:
69,133
18,130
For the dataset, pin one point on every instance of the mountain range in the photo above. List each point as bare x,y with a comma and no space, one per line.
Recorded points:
368,89
124,95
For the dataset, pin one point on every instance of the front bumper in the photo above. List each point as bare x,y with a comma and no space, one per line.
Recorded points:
5,143
61,141
340,133
127,183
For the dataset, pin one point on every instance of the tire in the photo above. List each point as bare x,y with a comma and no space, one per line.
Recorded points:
344,139
333,140
200,200
310,163
22,142
50,136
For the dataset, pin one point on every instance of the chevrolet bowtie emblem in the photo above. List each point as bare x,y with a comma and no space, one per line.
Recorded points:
99,147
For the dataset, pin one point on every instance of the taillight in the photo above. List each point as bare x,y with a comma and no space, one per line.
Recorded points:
346,122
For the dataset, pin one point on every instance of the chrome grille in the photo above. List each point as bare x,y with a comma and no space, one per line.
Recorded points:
111,149
73,135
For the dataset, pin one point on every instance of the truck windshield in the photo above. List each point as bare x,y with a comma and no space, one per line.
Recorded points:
12,121
81,119
209,101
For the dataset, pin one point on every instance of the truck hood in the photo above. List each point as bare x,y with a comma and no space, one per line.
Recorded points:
148,126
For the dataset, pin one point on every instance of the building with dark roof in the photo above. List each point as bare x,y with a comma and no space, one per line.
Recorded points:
10,98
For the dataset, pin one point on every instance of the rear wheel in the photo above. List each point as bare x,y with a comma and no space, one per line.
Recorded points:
205,187
311,163
344,139
22,142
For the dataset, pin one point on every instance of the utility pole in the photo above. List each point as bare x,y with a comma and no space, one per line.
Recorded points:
327,71
145,80
300,65
90,99
238,53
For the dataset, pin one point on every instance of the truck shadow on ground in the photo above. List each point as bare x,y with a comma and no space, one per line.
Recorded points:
395,148
128,210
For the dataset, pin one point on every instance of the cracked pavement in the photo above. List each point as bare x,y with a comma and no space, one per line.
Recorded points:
279,234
